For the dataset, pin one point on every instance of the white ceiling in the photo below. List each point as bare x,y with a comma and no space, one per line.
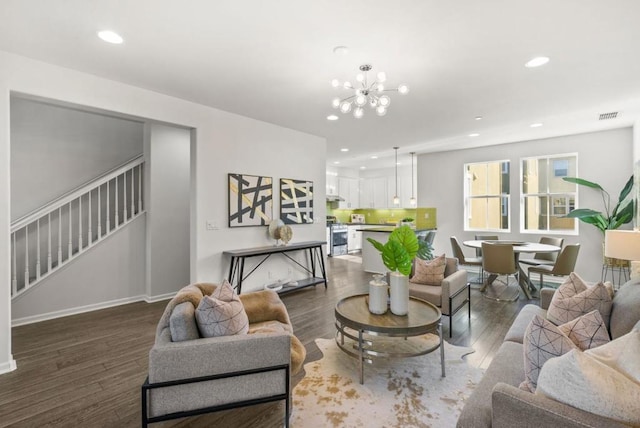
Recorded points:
273,61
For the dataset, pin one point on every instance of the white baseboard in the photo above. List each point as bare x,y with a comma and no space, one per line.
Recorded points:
159,297
8,366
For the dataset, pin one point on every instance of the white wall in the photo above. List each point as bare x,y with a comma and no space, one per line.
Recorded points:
224,143
55,149
167,179
604,157
109,273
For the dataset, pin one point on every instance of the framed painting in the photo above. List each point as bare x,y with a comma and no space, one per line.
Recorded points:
296,201
250,200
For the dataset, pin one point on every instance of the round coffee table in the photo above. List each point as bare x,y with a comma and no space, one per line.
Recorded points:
355,322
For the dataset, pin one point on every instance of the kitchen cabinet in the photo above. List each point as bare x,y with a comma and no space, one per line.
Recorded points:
348,189
373,193
354,239
404,189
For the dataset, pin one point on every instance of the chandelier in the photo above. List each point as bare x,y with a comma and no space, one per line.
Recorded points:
367,92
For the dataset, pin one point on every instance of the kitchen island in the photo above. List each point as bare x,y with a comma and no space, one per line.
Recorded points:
371,258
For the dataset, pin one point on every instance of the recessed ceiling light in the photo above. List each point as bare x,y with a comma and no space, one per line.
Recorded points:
341,50
363,167
474,135
344,149
537,61
332,117
110,37
374,157
336,162
535,125
478,117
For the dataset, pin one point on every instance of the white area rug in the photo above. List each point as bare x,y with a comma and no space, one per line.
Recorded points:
407,392
352,259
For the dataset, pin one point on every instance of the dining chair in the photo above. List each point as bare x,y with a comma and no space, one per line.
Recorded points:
499,259
564,265
484,238
545,258
469,261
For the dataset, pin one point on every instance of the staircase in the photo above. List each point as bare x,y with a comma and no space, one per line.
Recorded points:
50,237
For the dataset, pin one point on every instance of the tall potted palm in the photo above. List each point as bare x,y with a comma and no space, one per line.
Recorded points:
397,255
611,217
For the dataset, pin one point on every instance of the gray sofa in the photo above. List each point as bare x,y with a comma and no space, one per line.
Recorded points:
191,375
498,402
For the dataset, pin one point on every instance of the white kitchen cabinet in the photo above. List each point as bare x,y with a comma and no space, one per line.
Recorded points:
354,239
348,189
404,189
373,193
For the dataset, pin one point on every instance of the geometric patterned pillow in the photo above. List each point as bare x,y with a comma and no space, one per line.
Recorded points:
574,298
542,341
429,272
587,331
222,313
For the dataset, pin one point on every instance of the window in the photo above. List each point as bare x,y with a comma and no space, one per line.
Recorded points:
486,196
546,198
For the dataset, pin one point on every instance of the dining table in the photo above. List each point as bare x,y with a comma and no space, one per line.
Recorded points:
519,247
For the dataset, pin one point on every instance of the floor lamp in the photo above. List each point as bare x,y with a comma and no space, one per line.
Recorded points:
623,245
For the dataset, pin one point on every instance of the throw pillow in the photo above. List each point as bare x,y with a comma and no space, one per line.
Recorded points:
222,313
604,380
542,341
587,331
429,272
574,298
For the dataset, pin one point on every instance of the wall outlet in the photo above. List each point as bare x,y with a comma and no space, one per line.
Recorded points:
211,225
426,215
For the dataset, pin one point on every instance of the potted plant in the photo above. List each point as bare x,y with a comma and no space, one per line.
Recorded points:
397,255
408,221
610,218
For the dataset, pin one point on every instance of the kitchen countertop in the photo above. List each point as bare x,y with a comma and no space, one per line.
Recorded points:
388,229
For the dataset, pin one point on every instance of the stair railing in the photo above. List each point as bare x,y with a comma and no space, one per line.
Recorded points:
50,237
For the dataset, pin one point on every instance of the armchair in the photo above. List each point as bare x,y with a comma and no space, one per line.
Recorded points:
450,296
190,375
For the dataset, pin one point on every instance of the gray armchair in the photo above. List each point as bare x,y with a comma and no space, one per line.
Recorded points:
192,375
450,296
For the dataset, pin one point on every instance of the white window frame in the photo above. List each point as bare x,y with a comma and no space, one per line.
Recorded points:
467,197
550,196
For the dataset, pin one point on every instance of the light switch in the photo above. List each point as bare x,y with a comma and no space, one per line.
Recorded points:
211,225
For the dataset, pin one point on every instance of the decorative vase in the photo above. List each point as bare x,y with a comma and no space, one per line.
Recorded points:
378,295
399,285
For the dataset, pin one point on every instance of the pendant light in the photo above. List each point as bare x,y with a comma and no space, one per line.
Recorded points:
412,200
396,199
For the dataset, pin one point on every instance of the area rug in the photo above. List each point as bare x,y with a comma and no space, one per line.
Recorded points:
406,392
349,258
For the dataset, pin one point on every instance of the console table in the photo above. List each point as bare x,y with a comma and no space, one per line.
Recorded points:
316,256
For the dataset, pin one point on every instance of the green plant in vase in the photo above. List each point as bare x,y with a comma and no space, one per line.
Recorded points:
397,255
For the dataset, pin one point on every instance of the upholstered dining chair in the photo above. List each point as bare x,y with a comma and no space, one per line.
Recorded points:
462,260
545,258
484,238
497,260
564,265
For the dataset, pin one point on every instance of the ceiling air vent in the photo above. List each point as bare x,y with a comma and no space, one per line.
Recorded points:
606,116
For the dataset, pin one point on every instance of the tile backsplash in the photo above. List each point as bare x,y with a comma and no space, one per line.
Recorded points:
425,218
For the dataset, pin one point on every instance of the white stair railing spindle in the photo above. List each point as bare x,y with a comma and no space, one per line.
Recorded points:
38,249
59,236
70,234
124,198
26,257
80,224
133,209
49,258
99,213
140,188
90,226
14,271
116,215
108,211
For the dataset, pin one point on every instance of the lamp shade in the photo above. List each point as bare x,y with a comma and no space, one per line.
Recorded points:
622,244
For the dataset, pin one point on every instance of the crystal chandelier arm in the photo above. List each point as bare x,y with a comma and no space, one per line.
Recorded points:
348,98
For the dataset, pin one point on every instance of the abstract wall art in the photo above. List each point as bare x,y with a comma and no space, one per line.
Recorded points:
296,201
250,200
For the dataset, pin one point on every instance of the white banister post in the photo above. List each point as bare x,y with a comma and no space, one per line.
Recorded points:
133,207
108,212
124,198
99,212
70,234
37,249
80,223
49,258
59,236
26,256
14,273
140,188
90,226
117,214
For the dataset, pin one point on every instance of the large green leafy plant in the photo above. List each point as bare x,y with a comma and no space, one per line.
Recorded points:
611,218
401,248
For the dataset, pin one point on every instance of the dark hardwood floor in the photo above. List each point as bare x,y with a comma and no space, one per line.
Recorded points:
86,370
